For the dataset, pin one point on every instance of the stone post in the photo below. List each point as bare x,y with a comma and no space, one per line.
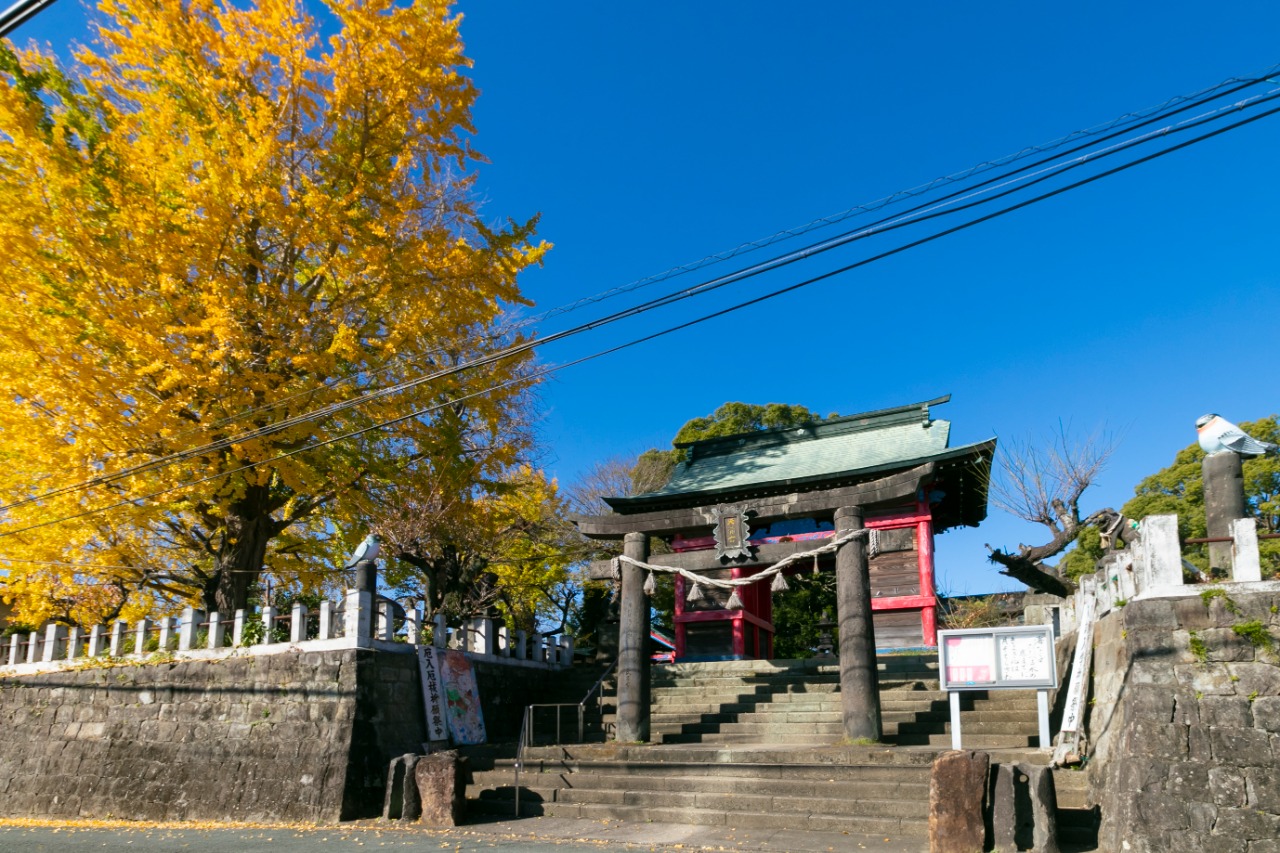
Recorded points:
74,637
268,624
633,643
357,617
413,624
1246,562
14,642
326,620
566,650
237,629
522,645
33,647
188,628
482,638
53,636
117,639
386,621
298,623
504,641
439,631
1223,503
217,630
140,637
859,689
95,641
166,634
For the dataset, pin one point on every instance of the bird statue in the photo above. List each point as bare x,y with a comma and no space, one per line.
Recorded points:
366,551
1218,435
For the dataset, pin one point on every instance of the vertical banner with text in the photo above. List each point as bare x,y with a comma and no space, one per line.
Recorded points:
433,699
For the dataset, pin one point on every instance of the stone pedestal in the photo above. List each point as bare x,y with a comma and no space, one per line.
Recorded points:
957,794
402,800
442,787
1024,809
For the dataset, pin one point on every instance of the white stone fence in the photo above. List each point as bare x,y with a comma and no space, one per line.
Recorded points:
1152,567
358,621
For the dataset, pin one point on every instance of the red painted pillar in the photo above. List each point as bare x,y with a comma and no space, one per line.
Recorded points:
739,624
679,611
924,547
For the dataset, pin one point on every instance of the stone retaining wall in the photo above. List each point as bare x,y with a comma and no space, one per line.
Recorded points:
297,736
1185,724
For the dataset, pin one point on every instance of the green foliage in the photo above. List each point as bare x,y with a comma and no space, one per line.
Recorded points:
1218,592
796,614
1083,557
1179,489
976,611
1198,648
736,418
1256,633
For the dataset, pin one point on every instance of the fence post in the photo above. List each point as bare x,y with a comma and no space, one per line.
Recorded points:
522,645
140,637
117,638
440,632
187,627
1246,564
166,634
53,634
298,623
95,641
217,630
237,629
504,641
386,621
413,624
1161,535
14,643
268,624
357,617
74,635
326,620
566,650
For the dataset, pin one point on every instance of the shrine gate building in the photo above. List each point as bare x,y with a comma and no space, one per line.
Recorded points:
781,488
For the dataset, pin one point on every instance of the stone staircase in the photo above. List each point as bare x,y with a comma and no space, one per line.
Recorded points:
759,744
798,703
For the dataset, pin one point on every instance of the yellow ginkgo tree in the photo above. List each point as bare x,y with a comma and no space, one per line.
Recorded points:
229,235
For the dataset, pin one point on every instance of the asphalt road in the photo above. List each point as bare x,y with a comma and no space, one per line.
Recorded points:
534,835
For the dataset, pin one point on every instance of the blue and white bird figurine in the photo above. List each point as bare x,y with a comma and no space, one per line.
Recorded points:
366,550
1218,435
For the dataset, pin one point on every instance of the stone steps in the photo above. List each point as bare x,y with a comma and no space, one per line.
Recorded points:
854,790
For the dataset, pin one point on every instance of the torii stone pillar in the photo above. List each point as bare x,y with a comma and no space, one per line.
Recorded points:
633,645
1223,503
859,685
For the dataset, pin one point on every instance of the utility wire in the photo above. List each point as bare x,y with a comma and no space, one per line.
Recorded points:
1128,122
928,210
689,323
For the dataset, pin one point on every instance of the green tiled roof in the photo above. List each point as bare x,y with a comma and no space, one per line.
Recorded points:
831,452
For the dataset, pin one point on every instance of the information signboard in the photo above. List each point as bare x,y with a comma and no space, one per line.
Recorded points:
997,658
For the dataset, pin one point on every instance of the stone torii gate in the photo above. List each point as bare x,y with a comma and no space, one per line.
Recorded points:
844,505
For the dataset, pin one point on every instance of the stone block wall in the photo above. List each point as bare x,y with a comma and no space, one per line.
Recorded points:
291,736
1185,723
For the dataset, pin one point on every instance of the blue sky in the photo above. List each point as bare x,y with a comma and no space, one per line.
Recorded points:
651,135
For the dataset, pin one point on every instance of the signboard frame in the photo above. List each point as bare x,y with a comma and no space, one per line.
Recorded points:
997,664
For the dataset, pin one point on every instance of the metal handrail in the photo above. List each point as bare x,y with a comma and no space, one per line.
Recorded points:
526,725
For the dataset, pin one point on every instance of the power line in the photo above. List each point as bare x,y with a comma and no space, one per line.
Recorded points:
687,324
928,210
1129,121
19,13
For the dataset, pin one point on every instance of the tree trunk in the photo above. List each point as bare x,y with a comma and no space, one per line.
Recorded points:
249,527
